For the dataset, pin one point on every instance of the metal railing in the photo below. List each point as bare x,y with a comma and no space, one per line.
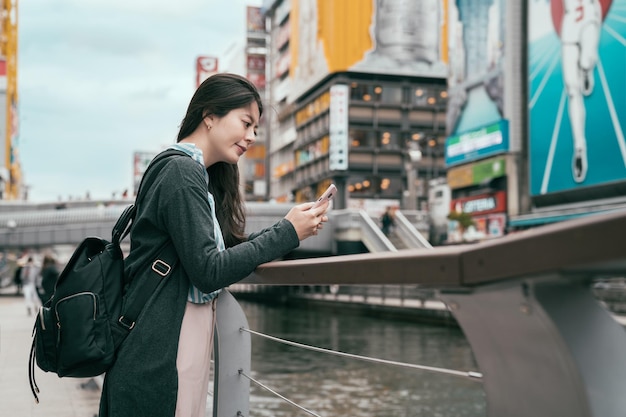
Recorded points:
409,234
357,225
544,345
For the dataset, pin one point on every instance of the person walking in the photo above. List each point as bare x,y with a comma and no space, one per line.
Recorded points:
17,276
387,221
162,368
29,275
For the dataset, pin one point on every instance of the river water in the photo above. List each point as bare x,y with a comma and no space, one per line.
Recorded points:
334,386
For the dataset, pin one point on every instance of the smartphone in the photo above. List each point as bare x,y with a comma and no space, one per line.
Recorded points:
328,194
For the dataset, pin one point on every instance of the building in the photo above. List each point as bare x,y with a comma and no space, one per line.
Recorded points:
358,97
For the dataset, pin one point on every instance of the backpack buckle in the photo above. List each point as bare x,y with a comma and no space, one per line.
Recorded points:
161,267
128,326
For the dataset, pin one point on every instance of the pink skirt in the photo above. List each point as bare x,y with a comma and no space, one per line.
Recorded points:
193,361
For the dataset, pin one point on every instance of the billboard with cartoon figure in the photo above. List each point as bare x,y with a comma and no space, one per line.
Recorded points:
378,36
577,94
476,59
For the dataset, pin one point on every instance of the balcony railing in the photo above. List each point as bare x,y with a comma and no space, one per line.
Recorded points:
544,345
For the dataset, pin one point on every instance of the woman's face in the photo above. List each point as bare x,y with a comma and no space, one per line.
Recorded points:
232,135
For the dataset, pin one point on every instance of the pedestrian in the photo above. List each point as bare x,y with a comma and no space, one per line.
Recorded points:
162,368
387,221
29,275
49,275
17,276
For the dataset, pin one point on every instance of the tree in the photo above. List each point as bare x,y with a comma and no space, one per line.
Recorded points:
465,219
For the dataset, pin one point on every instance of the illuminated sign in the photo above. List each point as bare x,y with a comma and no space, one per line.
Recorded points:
477,144
481,204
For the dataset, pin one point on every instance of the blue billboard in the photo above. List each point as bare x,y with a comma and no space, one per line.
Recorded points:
577,94
476,44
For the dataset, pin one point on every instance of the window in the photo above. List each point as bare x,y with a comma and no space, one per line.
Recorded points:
429,96
388,139
362,185
361,92
362,138
391,95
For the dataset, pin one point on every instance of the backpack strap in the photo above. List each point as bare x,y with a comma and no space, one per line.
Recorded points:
160,269
124,222
164,262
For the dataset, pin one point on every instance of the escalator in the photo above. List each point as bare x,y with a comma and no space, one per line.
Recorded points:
351,225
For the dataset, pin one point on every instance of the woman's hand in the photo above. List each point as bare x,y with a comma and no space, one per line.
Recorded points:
307,220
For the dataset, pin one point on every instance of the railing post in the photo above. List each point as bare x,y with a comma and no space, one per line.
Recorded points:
232,353
545,347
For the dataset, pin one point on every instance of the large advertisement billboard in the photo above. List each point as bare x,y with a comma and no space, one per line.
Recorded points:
379,36
577,94
476,78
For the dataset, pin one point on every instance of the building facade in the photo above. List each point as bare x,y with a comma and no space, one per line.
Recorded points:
358,97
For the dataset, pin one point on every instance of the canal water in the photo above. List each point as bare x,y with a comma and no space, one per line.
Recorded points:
334,386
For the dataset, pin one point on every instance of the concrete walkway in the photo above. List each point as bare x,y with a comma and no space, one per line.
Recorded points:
58,397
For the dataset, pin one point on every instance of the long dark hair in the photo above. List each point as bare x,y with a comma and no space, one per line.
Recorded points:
218,95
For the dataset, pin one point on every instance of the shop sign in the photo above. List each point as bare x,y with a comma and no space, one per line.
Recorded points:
476,173
481,204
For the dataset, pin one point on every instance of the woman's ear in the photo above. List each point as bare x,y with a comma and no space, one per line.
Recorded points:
208,121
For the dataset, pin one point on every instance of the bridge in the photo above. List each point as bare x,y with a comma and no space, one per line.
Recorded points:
45,225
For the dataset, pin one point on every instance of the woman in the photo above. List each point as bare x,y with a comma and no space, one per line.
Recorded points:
162,368
49,275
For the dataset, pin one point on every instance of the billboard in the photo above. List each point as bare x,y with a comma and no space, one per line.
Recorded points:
255,22
380,36
577,94
476,48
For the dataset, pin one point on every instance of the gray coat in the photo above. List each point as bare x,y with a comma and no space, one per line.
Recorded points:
143,381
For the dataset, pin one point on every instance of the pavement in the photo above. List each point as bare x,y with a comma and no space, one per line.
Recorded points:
58,397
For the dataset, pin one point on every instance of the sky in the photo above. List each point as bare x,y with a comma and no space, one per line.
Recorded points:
99,80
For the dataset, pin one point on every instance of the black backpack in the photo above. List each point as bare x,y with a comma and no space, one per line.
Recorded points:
78,331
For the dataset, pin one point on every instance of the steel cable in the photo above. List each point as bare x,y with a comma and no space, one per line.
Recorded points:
472,375
241,372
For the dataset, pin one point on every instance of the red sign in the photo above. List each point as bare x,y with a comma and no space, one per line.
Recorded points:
480,204
257,79
256,63
205,67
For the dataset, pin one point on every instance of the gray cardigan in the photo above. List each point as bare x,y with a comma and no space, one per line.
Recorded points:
143,381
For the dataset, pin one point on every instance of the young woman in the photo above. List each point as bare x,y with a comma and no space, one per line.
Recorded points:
162,368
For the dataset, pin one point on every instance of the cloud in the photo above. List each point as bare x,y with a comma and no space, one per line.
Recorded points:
102,79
